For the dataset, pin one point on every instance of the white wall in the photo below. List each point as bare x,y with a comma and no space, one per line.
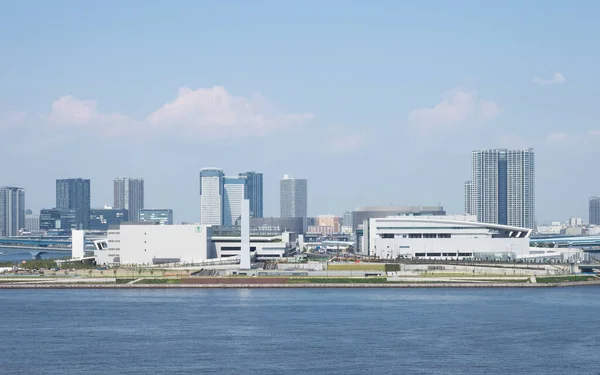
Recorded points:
409,246
140,244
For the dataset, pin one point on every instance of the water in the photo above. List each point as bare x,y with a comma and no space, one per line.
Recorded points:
308,331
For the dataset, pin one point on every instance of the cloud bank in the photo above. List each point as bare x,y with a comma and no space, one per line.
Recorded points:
204,112
457,107
557,79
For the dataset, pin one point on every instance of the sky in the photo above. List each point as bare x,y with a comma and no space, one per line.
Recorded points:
373,102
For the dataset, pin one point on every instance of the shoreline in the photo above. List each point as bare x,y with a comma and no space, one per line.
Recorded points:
302,286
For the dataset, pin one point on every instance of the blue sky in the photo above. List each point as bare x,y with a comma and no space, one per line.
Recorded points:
375,103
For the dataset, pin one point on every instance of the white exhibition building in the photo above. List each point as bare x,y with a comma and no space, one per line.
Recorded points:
449,237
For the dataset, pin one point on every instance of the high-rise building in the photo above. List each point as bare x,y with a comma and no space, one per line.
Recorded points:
163,216
129,195
234,191
329,221
12,210
254,192
211,196
595,210
293,197
502,187
32,223
74,194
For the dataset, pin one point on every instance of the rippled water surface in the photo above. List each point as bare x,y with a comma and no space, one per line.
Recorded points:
301,331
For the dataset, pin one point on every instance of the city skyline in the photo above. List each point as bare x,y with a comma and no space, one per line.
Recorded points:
387,118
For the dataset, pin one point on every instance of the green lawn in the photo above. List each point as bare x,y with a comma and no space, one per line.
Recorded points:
337,280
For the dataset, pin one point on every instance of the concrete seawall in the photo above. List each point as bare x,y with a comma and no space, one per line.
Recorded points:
297,286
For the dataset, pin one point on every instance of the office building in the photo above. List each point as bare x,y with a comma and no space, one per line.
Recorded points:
594,205
293,197
234,191
211,196
328,221
32,223
360,214
58,219
74,194
502,187
12,210
103,218
254,192
129,195
162,216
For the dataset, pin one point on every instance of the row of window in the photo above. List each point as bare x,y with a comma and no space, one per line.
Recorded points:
416,235
444,254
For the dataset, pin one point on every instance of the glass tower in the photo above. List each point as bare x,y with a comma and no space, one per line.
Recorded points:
129,195
74,194
293,197
502,188
12,210
211,196
254,192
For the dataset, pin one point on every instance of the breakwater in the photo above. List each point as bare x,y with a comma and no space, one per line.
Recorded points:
302,286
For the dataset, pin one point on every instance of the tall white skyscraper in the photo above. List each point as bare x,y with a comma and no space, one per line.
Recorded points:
12,210
502,187
234,189
293,197
211,196
129,195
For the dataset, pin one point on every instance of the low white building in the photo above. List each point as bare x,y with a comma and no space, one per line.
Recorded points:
443,237
147,244
160,244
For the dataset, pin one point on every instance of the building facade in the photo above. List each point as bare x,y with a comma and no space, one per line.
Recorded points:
12,210
103,218
162,216
254,192
32,223
293,197
444,237
594,206
58,219
74,194
502,187
129,195
234,191
330,221
211,196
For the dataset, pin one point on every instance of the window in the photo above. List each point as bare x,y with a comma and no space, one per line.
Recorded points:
387,235
444,235
414,235
429,235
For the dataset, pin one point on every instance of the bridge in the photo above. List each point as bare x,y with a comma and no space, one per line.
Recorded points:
588,243
36,252
38,246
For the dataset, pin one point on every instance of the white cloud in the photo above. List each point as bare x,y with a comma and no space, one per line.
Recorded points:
457,106
557,137
595,132
557,79
215,112
209,113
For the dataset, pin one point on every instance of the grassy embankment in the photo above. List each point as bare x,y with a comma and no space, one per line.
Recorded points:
562,279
